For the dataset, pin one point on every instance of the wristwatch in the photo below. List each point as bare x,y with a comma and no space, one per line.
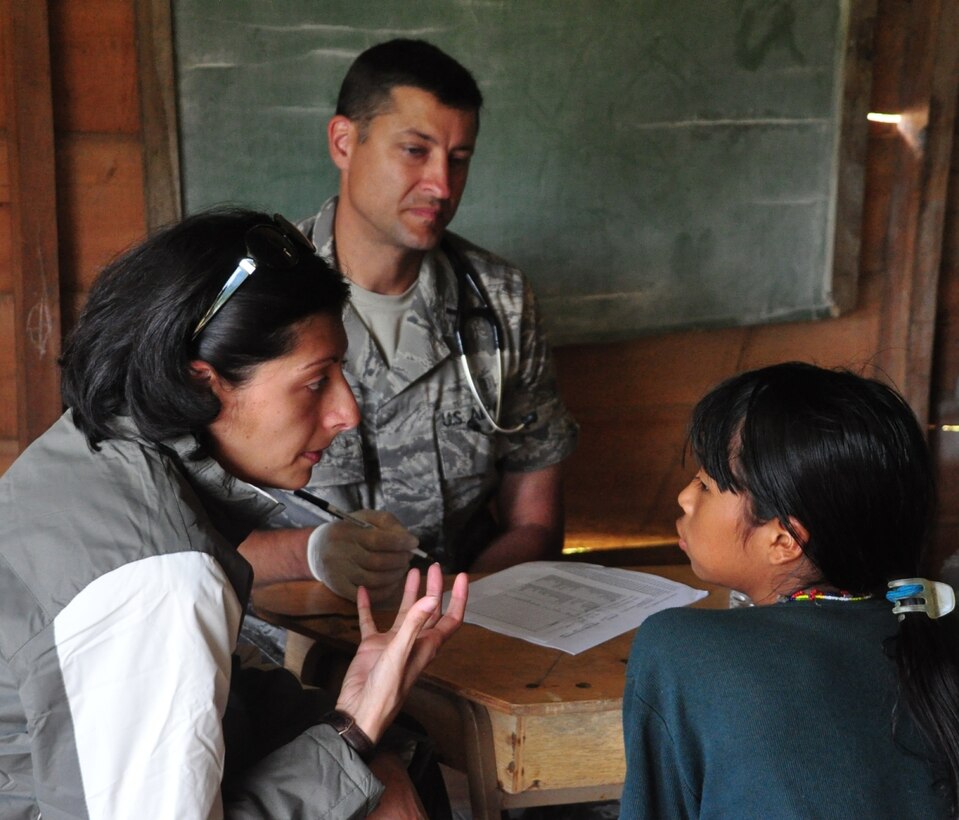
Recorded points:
354,736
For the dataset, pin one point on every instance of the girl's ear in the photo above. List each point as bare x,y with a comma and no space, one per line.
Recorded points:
784,548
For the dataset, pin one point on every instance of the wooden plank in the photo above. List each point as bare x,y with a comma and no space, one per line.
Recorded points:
846,342
652,461
6,274
607,381
4,167
532,752
3,97
921,41
932,207
101,202
161,153
34,262
94,75
71,303
944,441
8,408
8,370
854,134
8,453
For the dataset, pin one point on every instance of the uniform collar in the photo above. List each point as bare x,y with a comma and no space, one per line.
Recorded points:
426,326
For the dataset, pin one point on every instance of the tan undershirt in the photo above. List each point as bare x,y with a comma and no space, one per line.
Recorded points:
383,316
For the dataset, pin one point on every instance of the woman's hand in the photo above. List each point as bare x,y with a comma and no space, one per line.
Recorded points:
388,663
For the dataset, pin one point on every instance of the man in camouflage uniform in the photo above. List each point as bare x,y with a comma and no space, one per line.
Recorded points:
403,134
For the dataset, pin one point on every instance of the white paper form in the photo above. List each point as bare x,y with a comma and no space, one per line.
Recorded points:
571,606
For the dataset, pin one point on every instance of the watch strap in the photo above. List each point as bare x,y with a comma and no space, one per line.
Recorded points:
347,728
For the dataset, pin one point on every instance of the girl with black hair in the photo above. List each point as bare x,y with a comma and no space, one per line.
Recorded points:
837,694
206,365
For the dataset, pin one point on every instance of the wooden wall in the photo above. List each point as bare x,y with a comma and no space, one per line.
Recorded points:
633,398
633,401
8,388
82,55
944,410
100,194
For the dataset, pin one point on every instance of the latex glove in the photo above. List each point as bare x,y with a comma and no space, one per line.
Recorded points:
344,556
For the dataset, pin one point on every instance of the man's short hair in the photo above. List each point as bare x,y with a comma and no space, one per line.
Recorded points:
367,86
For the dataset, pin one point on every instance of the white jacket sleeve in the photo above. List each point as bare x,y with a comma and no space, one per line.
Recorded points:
145,657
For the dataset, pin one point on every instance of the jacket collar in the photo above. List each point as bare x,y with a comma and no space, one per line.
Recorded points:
235,507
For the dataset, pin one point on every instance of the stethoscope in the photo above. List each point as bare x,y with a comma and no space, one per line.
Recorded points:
467,282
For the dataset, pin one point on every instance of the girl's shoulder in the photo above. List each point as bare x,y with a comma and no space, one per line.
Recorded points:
684,633
689,634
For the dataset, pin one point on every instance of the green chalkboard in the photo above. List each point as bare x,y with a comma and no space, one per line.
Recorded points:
651,164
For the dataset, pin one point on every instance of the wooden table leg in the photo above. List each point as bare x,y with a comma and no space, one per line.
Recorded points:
297,649
485,800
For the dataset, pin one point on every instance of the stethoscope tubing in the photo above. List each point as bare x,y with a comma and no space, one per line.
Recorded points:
466,279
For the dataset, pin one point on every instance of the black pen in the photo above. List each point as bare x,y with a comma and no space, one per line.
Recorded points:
336,512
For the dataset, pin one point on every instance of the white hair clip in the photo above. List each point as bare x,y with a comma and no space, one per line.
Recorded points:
921,595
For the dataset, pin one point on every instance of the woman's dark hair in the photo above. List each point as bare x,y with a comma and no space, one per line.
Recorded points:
843,456
365,91
131,350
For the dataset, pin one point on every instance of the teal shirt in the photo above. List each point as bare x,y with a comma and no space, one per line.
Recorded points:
782,711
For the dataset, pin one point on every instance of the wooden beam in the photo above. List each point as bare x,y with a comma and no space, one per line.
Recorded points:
158,114
853,141
940,134
929,53
33,209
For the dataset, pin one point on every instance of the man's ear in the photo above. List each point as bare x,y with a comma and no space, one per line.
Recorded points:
783,547
341,136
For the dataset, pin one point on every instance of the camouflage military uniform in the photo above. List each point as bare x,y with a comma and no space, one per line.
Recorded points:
422,450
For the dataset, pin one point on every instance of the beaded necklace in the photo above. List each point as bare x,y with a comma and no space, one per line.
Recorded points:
813,594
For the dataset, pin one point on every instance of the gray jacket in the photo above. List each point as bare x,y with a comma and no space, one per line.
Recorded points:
122,595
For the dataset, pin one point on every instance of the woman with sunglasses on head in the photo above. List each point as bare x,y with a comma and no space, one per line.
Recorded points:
836,695
206,364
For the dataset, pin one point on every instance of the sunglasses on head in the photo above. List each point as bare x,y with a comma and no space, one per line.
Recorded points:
278,245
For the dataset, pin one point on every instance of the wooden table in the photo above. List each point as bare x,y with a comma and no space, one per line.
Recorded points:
530,726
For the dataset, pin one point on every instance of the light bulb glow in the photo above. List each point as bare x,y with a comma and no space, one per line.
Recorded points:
893,119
